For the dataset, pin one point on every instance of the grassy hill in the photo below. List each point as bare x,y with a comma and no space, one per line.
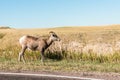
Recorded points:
109,33
81,48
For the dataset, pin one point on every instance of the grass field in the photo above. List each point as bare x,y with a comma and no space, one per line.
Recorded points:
81,49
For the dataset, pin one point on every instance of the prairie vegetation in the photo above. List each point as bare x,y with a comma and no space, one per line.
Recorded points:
81,49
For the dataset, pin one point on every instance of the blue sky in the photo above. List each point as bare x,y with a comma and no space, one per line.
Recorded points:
58,13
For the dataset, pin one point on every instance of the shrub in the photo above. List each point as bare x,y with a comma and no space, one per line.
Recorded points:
1,35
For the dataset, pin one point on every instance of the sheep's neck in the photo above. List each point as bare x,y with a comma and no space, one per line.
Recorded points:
49,42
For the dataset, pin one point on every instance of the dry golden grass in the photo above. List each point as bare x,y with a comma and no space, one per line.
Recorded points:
107,34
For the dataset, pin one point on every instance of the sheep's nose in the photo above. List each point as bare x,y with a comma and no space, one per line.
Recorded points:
59,39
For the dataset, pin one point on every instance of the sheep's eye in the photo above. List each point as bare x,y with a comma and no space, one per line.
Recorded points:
54,36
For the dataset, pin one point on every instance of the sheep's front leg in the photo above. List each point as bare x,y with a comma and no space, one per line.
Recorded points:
21,54
42,56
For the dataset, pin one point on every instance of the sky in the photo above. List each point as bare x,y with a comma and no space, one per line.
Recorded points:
58,13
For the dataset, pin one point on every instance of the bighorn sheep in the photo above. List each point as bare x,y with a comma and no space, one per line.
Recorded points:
34,43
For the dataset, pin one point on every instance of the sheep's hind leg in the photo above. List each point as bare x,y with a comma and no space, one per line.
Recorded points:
21,54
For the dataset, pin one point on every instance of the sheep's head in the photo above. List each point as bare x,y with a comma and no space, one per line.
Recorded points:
53,36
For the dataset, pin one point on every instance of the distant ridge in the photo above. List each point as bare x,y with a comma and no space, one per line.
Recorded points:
5,27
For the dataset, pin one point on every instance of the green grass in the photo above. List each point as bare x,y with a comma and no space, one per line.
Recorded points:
63,65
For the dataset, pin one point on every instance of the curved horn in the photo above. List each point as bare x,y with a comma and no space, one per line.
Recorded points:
51,32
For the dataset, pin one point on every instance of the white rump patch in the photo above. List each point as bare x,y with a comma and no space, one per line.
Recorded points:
22,39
